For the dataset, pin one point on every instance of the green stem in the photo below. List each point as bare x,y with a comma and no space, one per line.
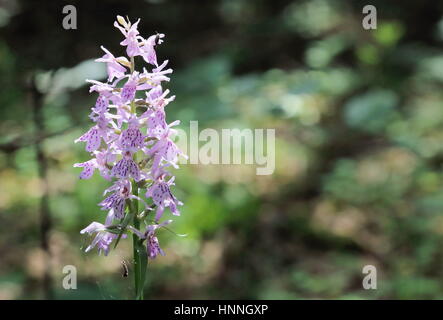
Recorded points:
135,240
139,251
136,250
132,68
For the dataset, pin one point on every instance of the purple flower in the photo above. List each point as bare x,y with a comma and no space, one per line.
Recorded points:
100,162
147,49
126,167
162,196
131,139
157,98
102,240
98,132
115,203
92,138
129,89
154,94
104,89
152,244
157,125
121,131
166,150
131,39
88,168
101,105
114,68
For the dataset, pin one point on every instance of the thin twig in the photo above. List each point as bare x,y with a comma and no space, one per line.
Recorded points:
36,103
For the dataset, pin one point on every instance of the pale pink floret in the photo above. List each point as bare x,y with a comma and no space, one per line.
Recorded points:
103,238
113,67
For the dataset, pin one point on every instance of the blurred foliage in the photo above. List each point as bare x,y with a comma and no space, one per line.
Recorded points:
359,123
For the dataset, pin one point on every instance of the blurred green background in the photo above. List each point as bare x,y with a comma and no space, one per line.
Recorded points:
359,129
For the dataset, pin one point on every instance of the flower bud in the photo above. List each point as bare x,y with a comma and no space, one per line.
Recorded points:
122,21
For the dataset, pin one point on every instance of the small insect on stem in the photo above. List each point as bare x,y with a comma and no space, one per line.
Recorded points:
125,269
